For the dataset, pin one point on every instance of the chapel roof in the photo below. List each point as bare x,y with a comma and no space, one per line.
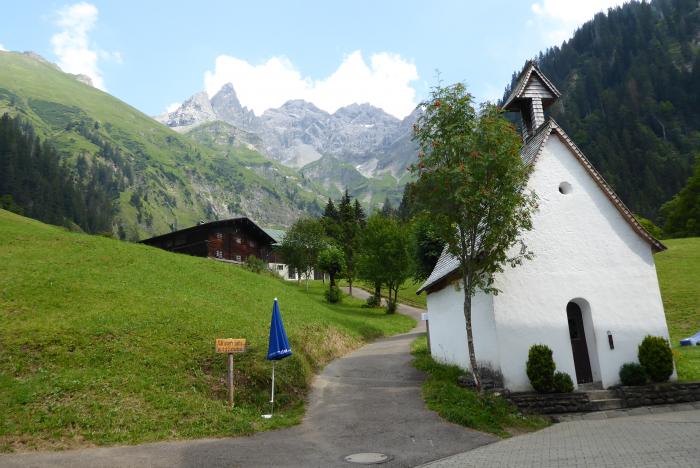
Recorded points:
447,265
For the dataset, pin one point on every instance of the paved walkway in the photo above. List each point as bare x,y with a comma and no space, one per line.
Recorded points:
368,401
668,439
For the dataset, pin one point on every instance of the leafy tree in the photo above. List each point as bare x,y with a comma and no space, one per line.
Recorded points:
302,244
473,182
682,213
385,256
332,261
427,247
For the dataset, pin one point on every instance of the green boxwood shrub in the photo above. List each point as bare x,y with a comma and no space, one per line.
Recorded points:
540,368
563,383
632,373
333,295
656,358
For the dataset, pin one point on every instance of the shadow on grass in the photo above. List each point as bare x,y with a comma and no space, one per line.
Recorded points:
484,412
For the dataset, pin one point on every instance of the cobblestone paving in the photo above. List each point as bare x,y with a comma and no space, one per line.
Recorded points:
649,440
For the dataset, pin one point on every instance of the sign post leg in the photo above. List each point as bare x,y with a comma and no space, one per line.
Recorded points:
230,378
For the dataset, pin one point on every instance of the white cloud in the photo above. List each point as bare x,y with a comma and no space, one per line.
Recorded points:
2,47
72,45
558,19
173,107
384,82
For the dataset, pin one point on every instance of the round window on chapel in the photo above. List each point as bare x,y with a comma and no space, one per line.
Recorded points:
565,188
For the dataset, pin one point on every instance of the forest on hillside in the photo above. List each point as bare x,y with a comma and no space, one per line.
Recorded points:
35,182
630,83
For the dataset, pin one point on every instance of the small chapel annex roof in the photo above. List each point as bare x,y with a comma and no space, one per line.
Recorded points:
447,265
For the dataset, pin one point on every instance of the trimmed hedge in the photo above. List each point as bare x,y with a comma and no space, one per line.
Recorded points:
656,358
632,373
540,368
563,383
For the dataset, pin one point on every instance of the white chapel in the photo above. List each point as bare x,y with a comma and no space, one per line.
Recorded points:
591,292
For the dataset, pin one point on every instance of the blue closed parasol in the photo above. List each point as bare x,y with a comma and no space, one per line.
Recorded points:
277,349
279,344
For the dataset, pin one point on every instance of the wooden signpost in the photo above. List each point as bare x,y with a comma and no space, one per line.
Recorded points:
230,346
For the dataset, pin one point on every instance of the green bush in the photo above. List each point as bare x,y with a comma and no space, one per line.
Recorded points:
255,264
540,368
632,373
563,383
373,301
656,358
333,295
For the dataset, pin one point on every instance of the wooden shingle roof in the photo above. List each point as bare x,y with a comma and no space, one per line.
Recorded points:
531,73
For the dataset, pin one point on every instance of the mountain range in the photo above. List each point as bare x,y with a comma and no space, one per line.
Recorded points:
359,147
165,180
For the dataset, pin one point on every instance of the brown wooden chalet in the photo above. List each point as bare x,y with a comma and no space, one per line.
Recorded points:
230,239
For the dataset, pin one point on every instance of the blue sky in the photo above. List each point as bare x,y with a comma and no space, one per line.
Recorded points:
153,54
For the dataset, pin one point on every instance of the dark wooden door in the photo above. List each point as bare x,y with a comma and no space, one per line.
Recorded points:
578,343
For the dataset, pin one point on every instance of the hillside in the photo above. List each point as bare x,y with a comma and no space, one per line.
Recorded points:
166,180
229,142
630,83
105,342
679,278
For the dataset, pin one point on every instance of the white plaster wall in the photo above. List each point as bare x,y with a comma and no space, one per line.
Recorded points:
584,249
448,335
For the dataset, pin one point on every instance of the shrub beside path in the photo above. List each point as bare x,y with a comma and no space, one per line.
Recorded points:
367,401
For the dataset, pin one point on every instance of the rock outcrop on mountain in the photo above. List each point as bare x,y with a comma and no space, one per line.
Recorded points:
227,107
299,133
194,111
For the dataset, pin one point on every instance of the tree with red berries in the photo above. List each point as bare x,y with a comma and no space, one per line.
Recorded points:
472,182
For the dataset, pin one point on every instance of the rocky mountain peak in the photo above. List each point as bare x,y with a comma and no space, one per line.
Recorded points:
192,112
297,133
228,108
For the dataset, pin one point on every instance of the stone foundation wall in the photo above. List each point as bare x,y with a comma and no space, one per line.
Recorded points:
551,403
659,394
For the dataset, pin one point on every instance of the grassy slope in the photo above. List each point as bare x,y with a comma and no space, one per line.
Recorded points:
167,164
679,277
107,342
487,412
407,292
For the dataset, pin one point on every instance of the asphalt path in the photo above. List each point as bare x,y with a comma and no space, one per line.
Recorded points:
367,401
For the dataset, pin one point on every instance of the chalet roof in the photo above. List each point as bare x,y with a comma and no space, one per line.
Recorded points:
243,221
276,234
447,264
530,71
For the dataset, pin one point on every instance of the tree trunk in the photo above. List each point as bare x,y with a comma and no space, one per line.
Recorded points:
378,293
332,275
466,286
350,285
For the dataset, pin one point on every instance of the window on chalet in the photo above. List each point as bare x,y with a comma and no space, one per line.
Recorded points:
238,240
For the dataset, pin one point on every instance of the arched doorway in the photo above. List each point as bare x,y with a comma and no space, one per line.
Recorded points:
579,347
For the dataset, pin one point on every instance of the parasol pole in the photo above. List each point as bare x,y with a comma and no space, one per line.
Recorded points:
272,401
